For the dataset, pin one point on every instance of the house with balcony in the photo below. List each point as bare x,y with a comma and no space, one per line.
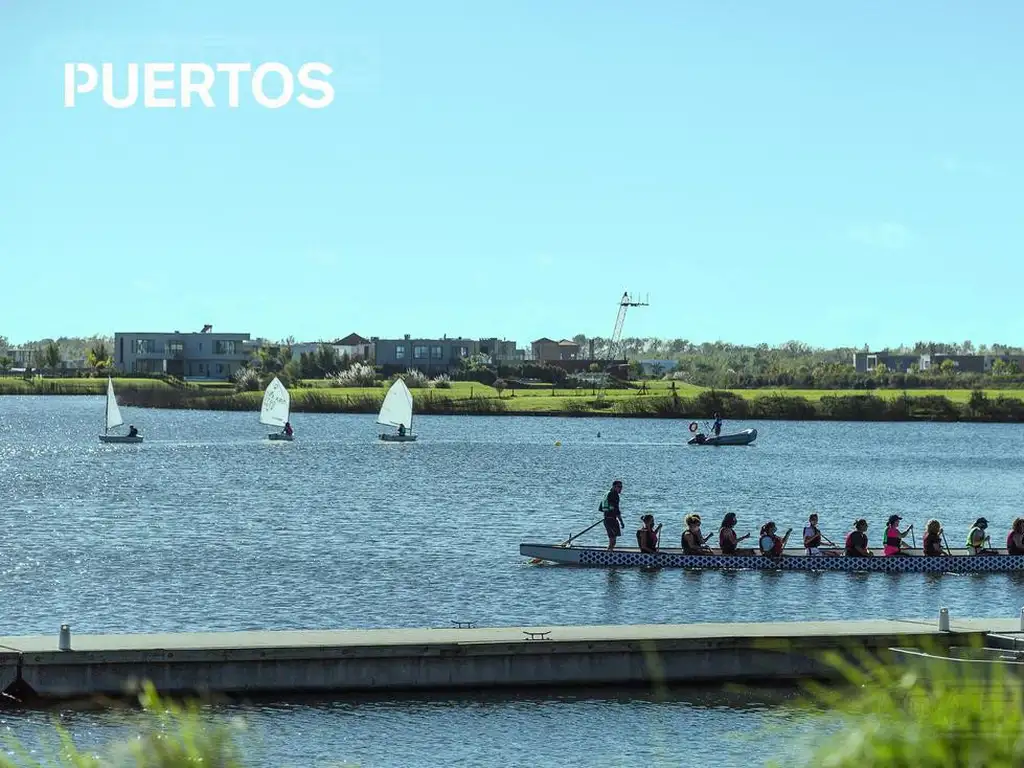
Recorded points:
431,356
190,355
548,350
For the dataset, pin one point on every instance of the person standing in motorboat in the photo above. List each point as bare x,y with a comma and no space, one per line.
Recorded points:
857,540
609,507
1015,539
717,426
727,539
977,538
894,544
647,536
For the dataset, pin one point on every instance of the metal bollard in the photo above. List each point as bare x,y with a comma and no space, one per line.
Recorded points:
64,643
944,620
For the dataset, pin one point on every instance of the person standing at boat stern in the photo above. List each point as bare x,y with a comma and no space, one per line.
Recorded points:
1015,539
894,537
609,507
717,427
977,537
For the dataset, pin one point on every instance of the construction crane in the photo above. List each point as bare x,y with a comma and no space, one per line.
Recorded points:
615,341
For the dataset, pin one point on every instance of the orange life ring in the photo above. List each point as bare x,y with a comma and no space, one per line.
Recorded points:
693,426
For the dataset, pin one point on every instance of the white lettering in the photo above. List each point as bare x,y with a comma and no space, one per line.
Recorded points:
201,89
108,87
71,86
287,87
233,70
312,83
150,85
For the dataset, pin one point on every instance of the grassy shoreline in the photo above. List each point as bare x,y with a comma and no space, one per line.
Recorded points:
660,400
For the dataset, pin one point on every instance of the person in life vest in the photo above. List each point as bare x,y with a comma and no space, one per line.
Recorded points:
932,543
609,507
977,537
1015,539
693,540
857,540
288,429
647,536
769,542
717,426
727,539
813,538
894,544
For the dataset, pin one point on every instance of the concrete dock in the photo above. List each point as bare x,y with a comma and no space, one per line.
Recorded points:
347,661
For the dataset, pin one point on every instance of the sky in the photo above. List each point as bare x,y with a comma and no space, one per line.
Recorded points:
840,173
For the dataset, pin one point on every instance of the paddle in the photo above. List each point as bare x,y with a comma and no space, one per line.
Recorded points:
568,541
948,550
913,538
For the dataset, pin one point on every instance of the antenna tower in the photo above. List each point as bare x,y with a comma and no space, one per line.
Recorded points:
614,343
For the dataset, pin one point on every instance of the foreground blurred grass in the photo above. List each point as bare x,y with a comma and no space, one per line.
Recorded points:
173,735
921,716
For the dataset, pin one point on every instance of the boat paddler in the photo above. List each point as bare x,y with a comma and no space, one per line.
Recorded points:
977,537
609,507
647,536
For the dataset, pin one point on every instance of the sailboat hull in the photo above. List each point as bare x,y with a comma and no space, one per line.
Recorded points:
280,436
119,439
397,438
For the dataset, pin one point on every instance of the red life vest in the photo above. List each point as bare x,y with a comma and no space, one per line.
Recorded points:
1011,547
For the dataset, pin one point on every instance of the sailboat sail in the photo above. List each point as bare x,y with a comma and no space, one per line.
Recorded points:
113,412
397,406
276,404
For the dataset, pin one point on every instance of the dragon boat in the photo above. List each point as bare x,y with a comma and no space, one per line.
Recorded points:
914,561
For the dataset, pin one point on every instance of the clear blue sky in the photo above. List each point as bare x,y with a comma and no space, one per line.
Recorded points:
835,172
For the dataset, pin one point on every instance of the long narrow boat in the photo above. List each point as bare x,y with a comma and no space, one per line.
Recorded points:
960,561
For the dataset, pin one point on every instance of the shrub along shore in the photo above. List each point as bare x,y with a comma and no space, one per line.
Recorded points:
658,400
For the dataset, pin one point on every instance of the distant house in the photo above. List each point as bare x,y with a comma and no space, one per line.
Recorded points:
866,362
202,355
356,347
353,345
432,356
549,350
500,350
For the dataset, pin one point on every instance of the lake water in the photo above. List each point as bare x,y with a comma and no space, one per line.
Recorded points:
209,526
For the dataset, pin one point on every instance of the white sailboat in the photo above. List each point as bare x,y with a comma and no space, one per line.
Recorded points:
274,412
113,420
396,411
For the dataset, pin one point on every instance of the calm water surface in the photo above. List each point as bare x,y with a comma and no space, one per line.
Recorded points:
209,526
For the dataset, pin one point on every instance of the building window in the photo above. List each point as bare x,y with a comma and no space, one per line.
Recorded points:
202,369
175,347
435,352
145,346
464,351
225,347
399,351
419,352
